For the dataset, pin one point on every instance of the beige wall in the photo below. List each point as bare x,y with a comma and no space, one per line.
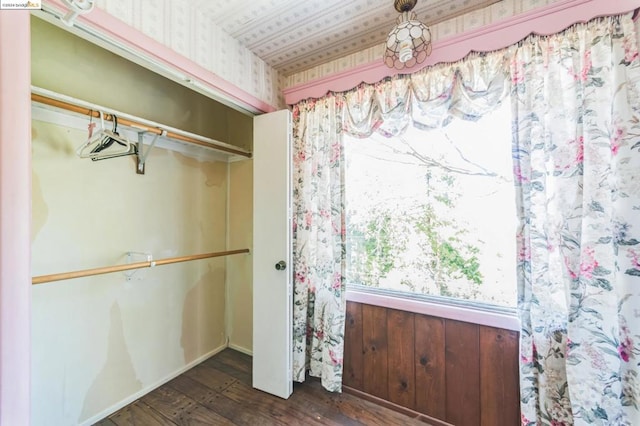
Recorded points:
99,340
240,130
67,64
102,340
239,269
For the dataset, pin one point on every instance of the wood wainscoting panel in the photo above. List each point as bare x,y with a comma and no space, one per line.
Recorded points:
457,372
462,361
431,387
499,381
401,358
353,365
374,341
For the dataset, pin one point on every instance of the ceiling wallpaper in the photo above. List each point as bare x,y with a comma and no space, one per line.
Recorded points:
262,46
469,21
293,35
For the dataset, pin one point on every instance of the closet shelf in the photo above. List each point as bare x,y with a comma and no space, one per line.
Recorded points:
136,124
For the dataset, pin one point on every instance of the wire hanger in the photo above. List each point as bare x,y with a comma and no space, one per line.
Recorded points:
106,143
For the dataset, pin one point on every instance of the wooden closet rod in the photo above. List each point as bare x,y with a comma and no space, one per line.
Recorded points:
132,123
117,268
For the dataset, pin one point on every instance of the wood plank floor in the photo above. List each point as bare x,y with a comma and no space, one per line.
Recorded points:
219,392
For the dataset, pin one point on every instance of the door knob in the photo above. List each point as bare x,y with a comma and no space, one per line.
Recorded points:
281,266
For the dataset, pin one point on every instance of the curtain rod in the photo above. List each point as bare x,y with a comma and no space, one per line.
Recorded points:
68,103
118,268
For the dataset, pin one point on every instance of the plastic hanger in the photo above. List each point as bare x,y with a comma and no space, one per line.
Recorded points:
106,143
104,151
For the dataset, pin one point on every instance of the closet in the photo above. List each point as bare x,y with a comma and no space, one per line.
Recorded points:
106,339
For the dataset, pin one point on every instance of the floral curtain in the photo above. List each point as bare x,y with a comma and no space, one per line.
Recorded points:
318,242
576,126
428,99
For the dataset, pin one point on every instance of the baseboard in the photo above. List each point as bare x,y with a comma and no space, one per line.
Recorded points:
105,413
241,349
395,407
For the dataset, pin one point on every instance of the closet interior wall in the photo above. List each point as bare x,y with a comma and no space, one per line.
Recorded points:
100,342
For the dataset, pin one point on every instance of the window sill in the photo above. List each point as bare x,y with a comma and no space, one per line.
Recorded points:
501,320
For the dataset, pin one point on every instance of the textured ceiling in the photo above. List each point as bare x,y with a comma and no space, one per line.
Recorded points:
294,35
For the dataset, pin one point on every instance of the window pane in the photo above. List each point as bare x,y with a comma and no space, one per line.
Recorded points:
433,212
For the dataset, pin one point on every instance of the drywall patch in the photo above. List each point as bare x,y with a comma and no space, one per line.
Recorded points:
215,172
203,315
40,210
117,379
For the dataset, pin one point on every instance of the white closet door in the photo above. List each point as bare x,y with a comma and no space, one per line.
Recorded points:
272,276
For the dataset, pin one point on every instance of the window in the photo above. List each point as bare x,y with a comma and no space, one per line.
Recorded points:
432,212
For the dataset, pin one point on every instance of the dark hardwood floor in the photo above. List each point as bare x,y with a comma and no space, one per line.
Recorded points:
219,392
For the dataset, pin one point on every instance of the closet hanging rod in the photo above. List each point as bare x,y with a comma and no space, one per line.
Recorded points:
48,97
118,268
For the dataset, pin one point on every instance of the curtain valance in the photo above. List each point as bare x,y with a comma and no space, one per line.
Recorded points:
427,99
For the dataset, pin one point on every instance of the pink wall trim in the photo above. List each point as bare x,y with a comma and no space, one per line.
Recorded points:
458,313
15,218
547,20
115,29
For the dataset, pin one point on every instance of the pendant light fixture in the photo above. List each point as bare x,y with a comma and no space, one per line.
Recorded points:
409,42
